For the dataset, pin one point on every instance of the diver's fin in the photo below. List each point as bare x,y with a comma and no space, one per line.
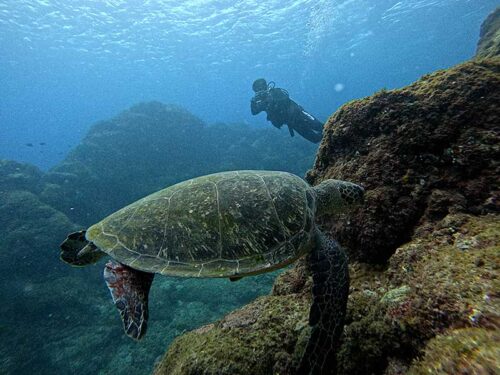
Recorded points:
130,290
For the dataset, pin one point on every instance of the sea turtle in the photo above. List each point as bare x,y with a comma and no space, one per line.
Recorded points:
229,224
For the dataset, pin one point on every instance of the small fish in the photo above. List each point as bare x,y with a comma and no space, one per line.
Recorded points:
29,144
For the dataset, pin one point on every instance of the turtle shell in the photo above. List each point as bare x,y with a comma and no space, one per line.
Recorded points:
219,225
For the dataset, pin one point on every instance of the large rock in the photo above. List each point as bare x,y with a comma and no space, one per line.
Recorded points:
438,284
489,38
122,159
19,176
265,337
421,152
30,230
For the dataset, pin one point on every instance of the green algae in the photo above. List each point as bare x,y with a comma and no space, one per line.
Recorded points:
462,351
251,340
450,286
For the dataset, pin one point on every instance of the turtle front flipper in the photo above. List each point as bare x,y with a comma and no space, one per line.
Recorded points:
330,272
78,251
130,290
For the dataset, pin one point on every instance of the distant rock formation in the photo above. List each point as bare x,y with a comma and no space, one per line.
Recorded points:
29,228
424,247
153,145
489,37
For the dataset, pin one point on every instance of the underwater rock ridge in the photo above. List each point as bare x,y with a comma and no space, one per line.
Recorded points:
489,37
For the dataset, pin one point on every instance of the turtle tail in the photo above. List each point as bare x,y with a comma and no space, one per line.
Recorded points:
329,266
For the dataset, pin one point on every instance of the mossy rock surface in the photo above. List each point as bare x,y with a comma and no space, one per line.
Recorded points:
440,282
452,278
421,152
489,38
256,339
463,351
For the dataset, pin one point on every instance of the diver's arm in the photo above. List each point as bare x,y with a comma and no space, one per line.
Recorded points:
260,102
254,108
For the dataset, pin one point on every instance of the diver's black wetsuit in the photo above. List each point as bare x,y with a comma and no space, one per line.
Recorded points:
282,110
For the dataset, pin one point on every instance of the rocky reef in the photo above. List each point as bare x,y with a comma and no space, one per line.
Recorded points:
424,248
440,286
28,226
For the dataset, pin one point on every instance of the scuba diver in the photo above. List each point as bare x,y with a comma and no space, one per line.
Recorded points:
282,110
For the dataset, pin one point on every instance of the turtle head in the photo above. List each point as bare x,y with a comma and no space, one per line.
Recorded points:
78,251
336,196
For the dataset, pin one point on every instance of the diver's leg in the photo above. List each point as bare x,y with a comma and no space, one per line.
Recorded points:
330,271
307,133
311,121
130,290
308,126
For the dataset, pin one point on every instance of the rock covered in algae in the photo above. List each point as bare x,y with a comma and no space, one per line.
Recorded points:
463,351
260,338
421,152
489,38
432,287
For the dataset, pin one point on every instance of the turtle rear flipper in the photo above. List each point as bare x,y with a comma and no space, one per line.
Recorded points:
78,251
130,290
330,271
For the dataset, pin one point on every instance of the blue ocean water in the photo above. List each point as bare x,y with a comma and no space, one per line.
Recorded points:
66,63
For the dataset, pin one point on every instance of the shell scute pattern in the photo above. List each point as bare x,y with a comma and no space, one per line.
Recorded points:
218,225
